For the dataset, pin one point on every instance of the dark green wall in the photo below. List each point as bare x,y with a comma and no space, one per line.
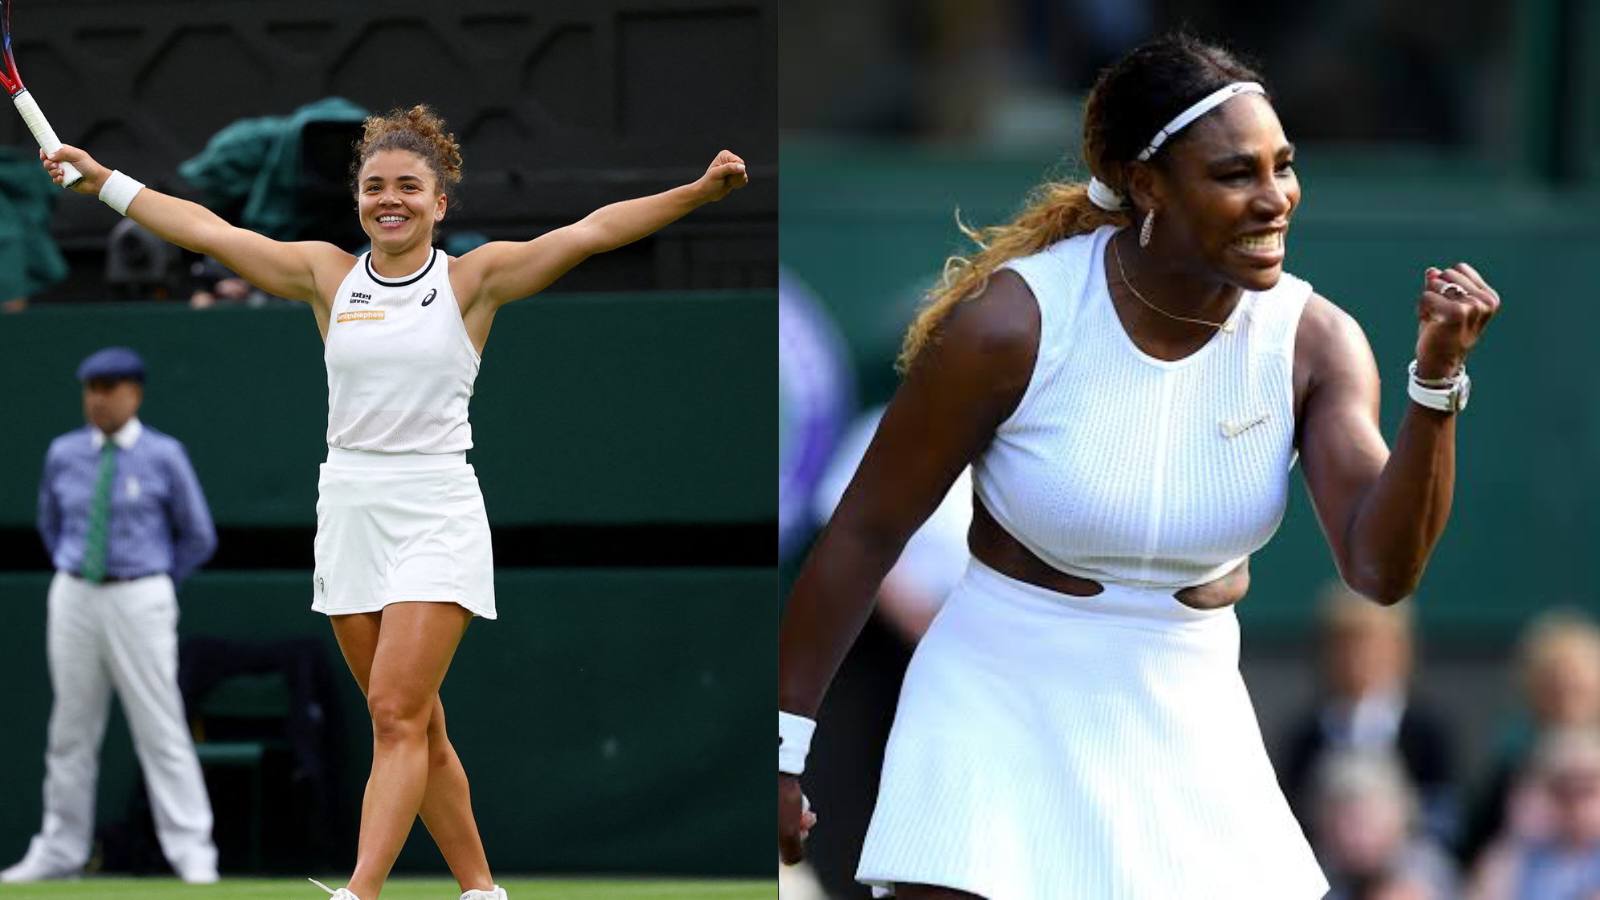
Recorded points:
609,719
597,408
868,226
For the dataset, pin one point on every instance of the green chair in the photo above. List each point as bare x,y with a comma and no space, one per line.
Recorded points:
242,698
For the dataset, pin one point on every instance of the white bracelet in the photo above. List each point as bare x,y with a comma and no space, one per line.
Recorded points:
1448,395
119,191
794,742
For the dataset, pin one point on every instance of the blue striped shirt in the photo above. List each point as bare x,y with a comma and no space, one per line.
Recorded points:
159,522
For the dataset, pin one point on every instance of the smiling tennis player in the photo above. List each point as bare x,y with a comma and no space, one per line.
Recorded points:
1131,374
403,559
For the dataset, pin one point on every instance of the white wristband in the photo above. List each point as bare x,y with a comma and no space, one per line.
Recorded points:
794,742
119,191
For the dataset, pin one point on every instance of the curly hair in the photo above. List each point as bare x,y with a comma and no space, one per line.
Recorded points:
418,130
1130,102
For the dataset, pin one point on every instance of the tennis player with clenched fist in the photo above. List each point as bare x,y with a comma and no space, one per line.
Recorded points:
1131,374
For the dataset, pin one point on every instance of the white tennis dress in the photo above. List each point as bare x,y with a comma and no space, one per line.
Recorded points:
400,516
1051,747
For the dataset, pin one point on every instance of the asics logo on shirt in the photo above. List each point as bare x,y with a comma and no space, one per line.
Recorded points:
431,294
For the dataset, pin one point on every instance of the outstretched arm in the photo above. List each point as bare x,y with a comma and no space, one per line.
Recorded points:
282,269
511,270
1384,512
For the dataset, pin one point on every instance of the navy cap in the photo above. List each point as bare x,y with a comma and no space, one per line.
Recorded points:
112,364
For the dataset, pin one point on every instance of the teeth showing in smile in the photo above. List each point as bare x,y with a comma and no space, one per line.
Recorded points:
1260,243
391,218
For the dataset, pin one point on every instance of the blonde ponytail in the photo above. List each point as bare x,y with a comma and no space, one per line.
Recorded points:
1054,211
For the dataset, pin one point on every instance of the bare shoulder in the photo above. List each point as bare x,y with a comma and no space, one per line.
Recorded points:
329,265
982,354
469,270
325,255
1329,343
998,326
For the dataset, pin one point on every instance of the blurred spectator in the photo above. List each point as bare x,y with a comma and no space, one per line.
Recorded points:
1560,676
1365,832
814,397
1365,703
1551,847
935,557
215,285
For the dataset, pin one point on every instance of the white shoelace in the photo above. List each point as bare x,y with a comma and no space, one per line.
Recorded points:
331,891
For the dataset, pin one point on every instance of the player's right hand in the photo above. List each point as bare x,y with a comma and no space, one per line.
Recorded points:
94,174
795,820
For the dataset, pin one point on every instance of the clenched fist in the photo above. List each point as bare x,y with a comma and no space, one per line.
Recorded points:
1455,306
725,175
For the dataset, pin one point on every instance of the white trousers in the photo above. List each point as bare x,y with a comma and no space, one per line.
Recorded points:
122,637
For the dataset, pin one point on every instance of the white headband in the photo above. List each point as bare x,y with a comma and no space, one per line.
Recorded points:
1103,196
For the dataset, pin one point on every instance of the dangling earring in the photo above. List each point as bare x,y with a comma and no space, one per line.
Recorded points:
1146,228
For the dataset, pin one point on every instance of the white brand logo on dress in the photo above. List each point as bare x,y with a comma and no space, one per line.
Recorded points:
1240,426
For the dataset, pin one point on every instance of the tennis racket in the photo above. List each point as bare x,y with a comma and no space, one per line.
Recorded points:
29,107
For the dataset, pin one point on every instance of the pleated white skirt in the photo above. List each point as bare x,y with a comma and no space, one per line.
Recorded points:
401,527
1080,748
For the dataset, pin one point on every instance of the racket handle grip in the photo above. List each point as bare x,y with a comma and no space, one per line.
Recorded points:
44,134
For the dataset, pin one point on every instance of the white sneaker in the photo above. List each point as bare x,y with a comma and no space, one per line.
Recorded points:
340,894
497,893
201,874
33,870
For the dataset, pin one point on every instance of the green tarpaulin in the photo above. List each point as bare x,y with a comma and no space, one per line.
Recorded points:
29,259
256,162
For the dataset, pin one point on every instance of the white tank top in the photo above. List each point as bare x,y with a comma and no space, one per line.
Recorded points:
1124,468
400,364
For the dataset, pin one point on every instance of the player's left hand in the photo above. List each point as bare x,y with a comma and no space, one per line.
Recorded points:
725,175
1455,307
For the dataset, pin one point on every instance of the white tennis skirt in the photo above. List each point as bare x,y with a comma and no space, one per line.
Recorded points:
1049,747
398,527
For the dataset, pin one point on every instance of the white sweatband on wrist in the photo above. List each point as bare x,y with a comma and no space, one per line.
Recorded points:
794,742
119,191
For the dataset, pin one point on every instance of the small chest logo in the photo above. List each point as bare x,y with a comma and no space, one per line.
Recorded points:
358,297
1239,426
431,294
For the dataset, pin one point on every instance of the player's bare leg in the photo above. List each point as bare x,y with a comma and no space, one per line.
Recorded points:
445,803
447,809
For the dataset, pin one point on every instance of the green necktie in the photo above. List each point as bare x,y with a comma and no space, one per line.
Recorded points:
94,546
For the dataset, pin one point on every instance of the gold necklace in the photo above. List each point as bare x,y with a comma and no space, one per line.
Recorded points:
1225,325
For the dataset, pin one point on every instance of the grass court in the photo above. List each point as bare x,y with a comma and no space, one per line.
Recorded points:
396,889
